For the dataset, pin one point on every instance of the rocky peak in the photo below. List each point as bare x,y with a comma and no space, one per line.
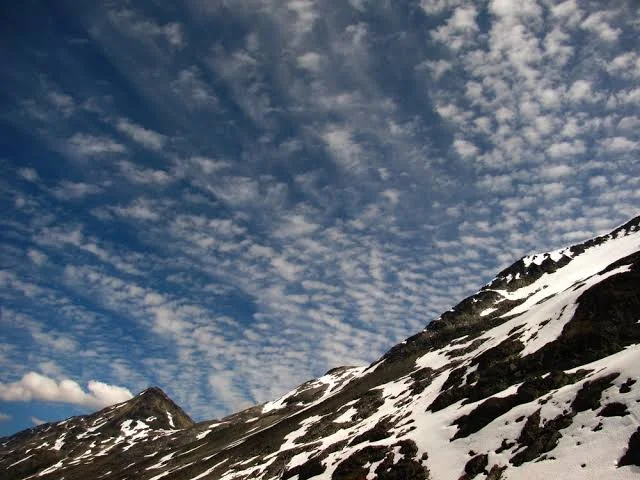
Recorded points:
154,407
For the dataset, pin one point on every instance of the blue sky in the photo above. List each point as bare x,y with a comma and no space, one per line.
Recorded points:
226,199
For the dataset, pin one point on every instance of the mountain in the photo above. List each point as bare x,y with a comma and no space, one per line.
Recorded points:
534,376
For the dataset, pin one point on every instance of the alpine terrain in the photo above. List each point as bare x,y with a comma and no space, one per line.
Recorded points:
534,376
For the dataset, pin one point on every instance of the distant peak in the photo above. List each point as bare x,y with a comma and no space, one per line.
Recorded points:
154,402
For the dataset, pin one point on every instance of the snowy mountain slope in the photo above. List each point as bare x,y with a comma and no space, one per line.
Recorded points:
534,376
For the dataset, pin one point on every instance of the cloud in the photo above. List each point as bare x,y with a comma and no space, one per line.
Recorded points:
68,190
310,61
4,417
580,91
135,25
464,148
29,174
143,176
88,145
190,87
596,22
37,421
144,136
37,257
566,149
140,209
555,171
619,144
346,151
34,386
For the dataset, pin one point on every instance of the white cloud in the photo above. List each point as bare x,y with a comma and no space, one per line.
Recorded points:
392,195
134,24
555,171
68,190
37,421
464,148
56,341
566,149
458,30
580,91
34,386
36,256
141,175
464,18
209,165
596,22
343,148
568,8
63,102
515,8
619,144
436,7
599,181
139,134
296,226
29,174
496,184
139,209
86,145
193,90
310,61
4,417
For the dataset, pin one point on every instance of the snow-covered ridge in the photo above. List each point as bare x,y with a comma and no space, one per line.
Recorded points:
323,387
560,257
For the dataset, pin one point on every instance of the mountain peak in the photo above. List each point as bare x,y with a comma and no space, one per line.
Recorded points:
154,403
153,392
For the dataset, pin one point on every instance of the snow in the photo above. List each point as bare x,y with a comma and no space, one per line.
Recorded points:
346,416
52,468
487,311
434,359
556,311
334,382
170,417
160,475
538,258
207,472
162,462
592,260
59,442
20,461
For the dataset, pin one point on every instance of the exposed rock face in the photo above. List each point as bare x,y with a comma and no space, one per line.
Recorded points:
534,376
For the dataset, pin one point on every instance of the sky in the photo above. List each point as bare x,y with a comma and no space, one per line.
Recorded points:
228,198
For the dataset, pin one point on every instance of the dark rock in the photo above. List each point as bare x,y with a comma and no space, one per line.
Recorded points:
614,409
379,431
496,472
632,455
310,468
588,397
476,465
352,468
539,439
626,386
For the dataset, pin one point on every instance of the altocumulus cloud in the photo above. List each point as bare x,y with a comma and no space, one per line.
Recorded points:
227,213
